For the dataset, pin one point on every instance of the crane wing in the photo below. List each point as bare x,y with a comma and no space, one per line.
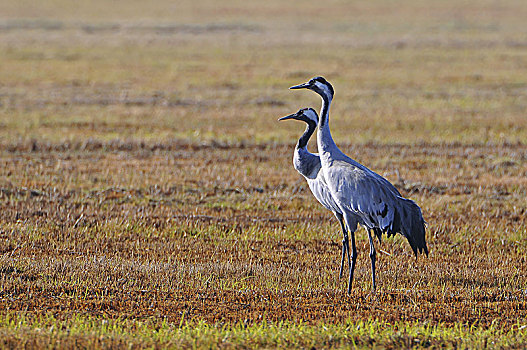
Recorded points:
356,189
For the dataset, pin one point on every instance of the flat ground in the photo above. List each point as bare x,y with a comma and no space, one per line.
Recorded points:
147,195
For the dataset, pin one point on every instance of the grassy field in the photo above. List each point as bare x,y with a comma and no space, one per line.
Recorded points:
147,195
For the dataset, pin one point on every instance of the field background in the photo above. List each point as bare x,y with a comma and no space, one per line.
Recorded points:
147,194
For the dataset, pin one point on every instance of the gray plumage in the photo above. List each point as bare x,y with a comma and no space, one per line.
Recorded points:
307,163
309,166
363,196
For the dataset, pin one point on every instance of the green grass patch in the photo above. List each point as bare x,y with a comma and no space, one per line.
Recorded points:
46,330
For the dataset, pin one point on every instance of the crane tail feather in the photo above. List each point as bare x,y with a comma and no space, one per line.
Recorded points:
408,220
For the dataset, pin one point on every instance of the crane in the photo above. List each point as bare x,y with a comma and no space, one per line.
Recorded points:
308,165
363,196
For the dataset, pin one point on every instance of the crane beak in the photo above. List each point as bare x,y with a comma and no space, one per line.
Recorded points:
290,116
300,86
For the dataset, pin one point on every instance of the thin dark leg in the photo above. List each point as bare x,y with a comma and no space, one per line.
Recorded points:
344,250
373,257
348,250
353,260
345,243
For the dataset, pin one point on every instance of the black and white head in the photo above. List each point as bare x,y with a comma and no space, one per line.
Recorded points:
307,115
319,85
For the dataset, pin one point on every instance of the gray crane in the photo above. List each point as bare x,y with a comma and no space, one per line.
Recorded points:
308,165
363,196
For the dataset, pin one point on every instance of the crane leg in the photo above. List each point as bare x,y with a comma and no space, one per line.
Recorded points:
344,250
373,257
353,260
345,243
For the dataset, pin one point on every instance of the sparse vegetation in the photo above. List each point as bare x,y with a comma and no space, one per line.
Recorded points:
147,196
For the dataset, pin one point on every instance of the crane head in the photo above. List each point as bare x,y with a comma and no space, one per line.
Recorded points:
307,115
319,85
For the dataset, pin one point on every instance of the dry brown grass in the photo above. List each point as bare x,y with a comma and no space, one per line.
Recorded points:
142,230
144,176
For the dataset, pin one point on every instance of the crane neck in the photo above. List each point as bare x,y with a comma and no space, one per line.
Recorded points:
324,111
304,139
324,138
